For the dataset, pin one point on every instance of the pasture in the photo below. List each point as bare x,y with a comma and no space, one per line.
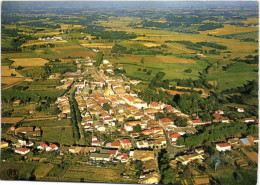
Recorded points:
42,170
25,62
10,80
150,44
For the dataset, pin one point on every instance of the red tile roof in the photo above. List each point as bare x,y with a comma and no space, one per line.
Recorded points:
196,121
115,143
22,149
112,151
53,146
216,115
166,120
175,135
44,145
223,144
125,141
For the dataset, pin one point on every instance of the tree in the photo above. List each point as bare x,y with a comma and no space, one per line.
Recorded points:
106,106
142,61
137,128
160,75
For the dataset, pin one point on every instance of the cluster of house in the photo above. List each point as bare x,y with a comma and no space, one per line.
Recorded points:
64,105
67,82
50,39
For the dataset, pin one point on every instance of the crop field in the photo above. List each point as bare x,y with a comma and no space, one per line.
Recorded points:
6,71
11,120
93,174
10,80
172,69
150,44
229,29
44,42
42,170
29,62
97,45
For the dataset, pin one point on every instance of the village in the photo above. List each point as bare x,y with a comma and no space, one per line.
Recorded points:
120,126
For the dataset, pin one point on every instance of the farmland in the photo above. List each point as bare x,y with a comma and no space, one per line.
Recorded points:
107,80
24,62
92,174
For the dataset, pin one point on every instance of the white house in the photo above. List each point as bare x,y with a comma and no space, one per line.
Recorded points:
240,110
222,147
142,144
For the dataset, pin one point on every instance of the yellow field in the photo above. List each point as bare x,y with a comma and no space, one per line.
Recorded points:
229,29
10,80
251,20
43,42
6,71
150,44
97,45
11,120
29,62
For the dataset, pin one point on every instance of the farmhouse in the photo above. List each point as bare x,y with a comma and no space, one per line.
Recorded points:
174,137
240,110
22,151
17,102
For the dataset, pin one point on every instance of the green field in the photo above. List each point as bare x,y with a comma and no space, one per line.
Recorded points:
52,127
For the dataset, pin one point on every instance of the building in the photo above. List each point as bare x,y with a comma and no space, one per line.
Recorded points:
185,159
174,137
22,151
17,102
100,157
222,147
125,143
245,142
240,110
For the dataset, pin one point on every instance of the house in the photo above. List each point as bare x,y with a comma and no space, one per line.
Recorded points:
42,146
129,126
174,137
96,143
245,142
100,157
115,144
126,143
17,102
233,141
219,112
52,147
154,105
94,138
222,147
143,155
165,121
248,120
22,151
185,159
240,110
123,157
4,144
142,144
